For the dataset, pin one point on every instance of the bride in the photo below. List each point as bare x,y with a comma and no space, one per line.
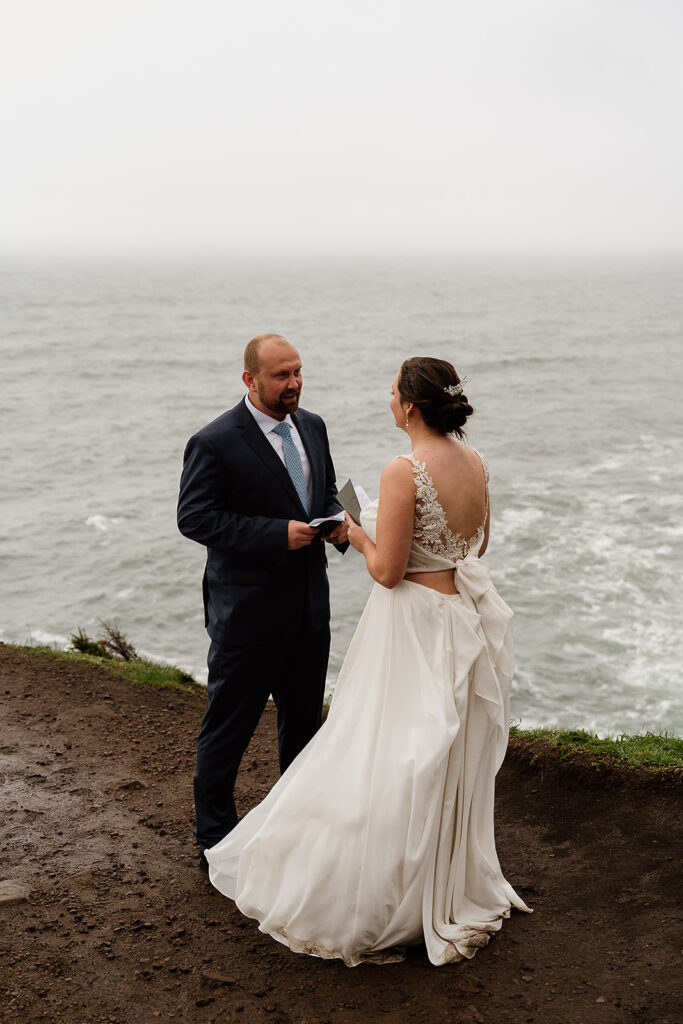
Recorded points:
380,833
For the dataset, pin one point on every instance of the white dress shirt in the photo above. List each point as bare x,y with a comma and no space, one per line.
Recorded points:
268,424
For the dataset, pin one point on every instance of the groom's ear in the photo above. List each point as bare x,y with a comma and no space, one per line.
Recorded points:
248,380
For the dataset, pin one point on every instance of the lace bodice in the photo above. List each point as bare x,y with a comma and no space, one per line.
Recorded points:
435,547
431,531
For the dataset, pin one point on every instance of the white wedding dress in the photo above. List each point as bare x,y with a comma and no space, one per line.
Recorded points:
380,833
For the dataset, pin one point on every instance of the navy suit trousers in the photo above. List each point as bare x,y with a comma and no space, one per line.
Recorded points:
240,682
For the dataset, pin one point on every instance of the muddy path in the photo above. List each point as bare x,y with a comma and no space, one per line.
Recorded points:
110,919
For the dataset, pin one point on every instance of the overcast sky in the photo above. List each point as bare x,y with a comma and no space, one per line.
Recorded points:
382,124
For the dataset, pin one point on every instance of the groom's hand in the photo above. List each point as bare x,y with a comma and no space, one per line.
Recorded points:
338,535
299,535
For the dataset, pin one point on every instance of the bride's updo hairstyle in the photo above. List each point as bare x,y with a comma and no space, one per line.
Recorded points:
423,381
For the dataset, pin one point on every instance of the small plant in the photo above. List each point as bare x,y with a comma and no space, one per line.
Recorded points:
80,641
116,643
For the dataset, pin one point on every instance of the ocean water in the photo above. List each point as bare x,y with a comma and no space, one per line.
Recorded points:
575,374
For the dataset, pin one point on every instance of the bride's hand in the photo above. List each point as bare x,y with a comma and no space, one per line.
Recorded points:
357,536
338,535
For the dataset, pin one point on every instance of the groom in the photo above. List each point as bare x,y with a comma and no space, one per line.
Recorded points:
252,480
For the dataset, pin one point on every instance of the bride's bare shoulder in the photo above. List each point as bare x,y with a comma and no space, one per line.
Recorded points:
399,468
397,474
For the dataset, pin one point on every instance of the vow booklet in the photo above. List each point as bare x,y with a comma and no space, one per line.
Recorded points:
353,499
328,523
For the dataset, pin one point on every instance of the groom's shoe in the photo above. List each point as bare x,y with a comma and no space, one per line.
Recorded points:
203,862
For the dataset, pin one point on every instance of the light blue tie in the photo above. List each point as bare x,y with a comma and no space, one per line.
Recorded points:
293,462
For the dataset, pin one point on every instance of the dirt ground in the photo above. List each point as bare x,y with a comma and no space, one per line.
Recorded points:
120,926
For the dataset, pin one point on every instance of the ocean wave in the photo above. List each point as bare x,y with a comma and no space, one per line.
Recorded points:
44,638
102,523
514,521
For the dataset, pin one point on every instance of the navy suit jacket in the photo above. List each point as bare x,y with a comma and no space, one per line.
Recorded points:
236,497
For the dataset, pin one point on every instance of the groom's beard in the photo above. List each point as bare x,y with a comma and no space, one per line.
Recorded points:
287,402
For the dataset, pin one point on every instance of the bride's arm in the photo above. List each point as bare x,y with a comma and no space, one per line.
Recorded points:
388,558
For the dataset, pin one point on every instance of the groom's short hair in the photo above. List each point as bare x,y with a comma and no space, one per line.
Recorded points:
251,352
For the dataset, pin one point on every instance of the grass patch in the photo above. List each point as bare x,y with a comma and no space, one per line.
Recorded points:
149,673
648,750
139,670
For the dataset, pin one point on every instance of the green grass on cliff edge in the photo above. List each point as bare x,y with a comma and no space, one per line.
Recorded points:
649,751
140,671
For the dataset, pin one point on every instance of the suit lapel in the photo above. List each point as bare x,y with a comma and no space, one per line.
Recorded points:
261,446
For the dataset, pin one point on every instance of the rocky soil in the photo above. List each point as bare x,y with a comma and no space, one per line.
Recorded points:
105,916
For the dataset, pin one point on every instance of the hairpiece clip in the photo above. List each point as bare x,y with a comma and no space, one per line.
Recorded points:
454,389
